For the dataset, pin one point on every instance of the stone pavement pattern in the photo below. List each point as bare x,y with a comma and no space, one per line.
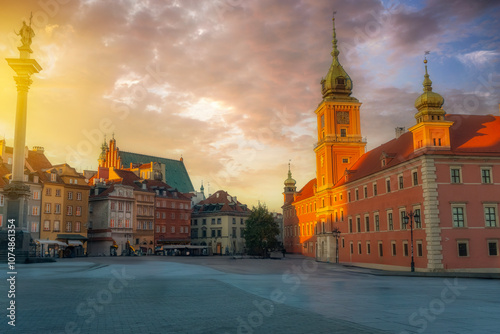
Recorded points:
220,295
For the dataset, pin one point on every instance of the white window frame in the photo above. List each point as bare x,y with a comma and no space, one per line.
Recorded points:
464,212
459,168
494,206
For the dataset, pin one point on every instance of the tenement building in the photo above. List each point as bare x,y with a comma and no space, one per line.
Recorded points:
428,199
219,222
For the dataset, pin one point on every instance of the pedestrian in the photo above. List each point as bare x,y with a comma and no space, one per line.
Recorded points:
284,252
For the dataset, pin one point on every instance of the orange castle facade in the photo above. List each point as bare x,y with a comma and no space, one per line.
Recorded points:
428,199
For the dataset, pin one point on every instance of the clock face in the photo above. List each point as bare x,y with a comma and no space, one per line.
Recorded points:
342,117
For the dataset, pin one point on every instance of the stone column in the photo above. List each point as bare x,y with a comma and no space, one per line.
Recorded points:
17,191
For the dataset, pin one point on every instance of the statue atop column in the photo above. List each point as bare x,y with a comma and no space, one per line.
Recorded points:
26,34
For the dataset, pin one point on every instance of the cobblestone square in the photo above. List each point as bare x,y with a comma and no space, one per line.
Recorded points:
223,295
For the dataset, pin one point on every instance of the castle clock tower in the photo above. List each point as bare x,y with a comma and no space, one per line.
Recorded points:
339,133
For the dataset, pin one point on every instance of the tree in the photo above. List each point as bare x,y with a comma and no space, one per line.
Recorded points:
260,231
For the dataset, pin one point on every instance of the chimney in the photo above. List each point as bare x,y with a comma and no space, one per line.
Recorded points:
39,149
399,131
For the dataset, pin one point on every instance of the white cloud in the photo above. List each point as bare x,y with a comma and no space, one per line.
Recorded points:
477,58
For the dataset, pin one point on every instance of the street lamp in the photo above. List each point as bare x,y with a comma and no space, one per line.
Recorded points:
336,234
410,216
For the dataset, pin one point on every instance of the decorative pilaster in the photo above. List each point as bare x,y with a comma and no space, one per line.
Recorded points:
431,214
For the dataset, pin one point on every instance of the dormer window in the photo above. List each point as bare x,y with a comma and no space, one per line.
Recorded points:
340,81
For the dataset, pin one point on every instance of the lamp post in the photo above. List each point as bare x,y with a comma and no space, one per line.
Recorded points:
410,216
336,234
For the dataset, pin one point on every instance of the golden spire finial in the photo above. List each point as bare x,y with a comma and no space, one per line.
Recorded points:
427,82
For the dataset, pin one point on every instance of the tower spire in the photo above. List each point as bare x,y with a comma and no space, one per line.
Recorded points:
335,51
337,85
427,82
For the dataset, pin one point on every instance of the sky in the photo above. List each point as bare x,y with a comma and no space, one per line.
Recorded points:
232,85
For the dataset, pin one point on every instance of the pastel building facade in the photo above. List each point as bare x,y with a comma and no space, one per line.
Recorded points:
219,222
361,207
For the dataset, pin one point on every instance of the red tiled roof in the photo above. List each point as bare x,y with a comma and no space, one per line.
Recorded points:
475,133
307,191
38,161
469,135
160,184
220,201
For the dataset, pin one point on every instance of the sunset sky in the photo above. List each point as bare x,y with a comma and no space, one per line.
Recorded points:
232,85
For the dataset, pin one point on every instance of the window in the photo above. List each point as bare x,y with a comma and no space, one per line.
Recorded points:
380,249
234,232
35,210
78,196
351,246
70,195
401,182
492,248
490,216
393,248
349,196
359,247
455,175
390,222
48,191
34,226
418,224
377,223
68,227
204,221
374,189
367,223
172,229
69,210
402,215
212,221
78,226
53,177
405,248
234,221
345,160
57,209
36,194
219,221
486,175
323,121
47,207
112,223
420,249
365,190
368,250
128,206
173,205
463,248
343,132
358,224
127,223
350,225
163,228
57,225
58,192
46,225
219,233
120,206
341,215
388,185
356,194
458,213
242,222
415,178
78,210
